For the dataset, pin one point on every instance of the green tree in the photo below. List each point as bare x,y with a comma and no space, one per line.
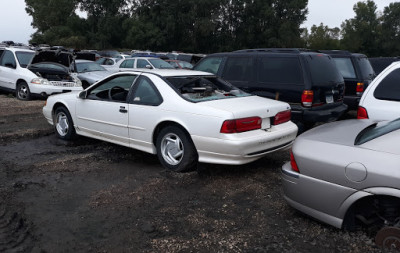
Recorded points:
323,37
361,33
390,39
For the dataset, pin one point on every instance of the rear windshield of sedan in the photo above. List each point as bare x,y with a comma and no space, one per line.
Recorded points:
323,69
160,64
204,88
376,130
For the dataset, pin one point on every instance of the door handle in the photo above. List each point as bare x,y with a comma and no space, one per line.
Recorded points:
122,109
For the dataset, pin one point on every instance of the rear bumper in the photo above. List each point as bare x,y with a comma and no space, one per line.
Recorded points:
325,113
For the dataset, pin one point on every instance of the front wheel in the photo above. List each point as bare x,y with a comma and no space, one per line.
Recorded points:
175,150
22,91
63,124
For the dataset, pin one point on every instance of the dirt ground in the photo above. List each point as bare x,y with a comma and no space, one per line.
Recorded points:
92,196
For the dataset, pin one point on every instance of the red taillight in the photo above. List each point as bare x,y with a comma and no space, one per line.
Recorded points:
360,89
307,98
293,162
362,113
241,125
282,117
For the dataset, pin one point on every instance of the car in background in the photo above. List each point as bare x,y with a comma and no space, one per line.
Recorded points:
90,72
347,174
180,64
108,63
308,81
380,63
183,116
43,73
357,73
381,100
143,63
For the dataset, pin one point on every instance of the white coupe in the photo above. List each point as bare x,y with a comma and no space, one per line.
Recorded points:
183,116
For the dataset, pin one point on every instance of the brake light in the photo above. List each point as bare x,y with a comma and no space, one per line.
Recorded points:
241,125
360,89
307,98
282,117
362,113
293,162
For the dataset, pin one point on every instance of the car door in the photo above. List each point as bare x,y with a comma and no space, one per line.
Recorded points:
104,113
8,70
144,113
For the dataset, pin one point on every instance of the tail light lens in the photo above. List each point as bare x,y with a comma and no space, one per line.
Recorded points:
282,117
293,162
360,89
307,98
241,125
362,113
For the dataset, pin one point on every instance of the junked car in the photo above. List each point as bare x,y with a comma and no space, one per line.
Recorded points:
42,73
90,72
183,116
143,63
347,174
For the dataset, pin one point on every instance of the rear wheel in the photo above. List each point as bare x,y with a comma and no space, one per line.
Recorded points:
22,92
63,124
175,150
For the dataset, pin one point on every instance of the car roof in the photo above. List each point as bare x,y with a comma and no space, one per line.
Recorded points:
14,49
170,72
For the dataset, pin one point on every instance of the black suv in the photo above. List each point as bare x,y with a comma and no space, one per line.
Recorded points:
356,71
308,81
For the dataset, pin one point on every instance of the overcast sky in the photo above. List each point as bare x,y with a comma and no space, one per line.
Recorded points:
16,23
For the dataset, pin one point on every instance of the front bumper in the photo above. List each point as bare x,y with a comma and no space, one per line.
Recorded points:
246,147
316,198
47,90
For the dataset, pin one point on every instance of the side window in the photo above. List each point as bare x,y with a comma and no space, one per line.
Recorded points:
8,60
145,93
389,87
209,65
141,63
127,64
113,89
238,69
280,70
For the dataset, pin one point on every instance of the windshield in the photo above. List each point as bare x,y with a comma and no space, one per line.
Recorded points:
160,64
366,69
88,67
323,69
376,130
24,58
204,88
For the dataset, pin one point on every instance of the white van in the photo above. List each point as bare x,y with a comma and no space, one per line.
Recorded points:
381,100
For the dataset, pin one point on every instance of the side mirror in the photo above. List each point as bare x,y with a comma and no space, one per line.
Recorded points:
82,94
149,67
10,65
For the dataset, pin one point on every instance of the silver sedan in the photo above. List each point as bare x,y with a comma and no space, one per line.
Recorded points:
347,174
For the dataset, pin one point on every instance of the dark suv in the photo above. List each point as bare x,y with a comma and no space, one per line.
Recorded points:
356,71
308,81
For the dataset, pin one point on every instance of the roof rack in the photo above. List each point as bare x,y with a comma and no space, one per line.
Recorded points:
273,50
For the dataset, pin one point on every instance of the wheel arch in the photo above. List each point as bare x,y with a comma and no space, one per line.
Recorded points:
58,105
166,123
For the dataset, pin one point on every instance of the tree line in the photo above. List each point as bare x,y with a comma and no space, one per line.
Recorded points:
207,26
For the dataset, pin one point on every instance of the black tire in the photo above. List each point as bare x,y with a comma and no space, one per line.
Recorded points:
63,124
22,91
175,150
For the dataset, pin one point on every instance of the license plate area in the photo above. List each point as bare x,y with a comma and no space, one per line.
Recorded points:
329,98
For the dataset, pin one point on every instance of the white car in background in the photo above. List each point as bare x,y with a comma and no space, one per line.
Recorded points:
381,100
41,73
142,63
183,116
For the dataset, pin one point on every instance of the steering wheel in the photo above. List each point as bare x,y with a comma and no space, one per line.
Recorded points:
114,90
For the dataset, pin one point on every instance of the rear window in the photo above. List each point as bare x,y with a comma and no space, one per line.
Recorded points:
280,70
345,67
323,69
204,88
367,71
389,87
160,64
376,130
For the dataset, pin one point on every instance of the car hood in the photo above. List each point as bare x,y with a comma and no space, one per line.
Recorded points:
249,106
339,132
94,75
60,57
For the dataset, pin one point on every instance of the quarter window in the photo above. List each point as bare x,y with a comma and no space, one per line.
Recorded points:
145,93
389,87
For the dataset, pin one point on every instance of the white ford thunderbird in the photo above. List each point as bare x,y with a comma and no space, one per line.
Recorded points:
183,116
